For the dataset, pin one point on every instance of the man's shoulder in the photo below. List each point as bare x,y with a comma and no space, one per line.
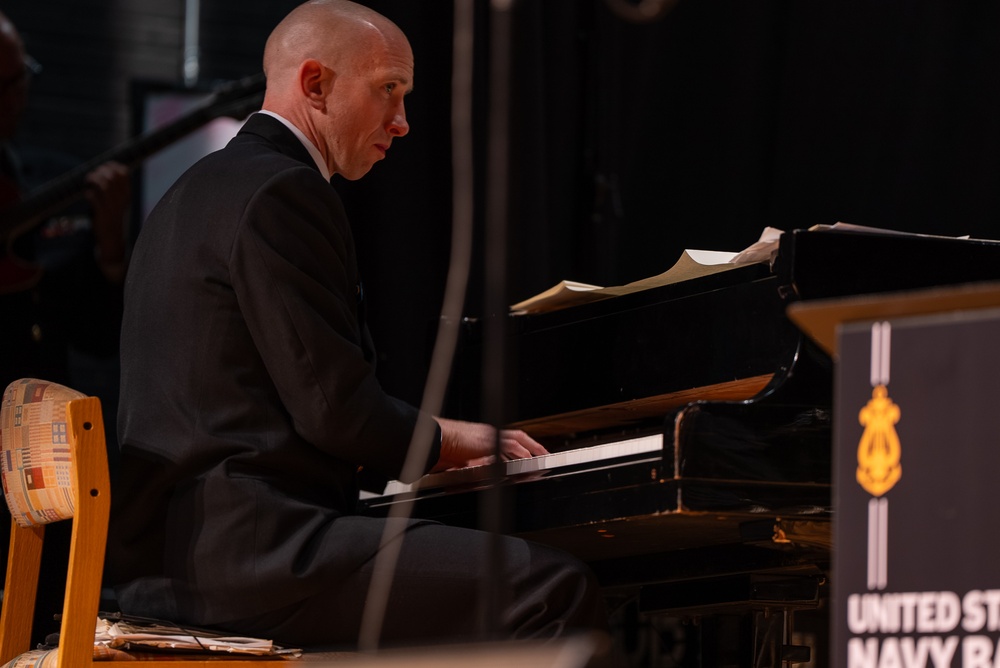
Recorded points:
264,140
266,131
247,154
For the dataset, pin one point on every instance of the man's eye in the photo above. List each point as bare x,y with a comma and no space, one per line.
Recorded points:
390,87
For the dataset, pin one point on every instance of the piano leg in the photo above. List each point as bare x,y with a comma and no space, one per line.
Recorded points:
745,621
757,639
772,642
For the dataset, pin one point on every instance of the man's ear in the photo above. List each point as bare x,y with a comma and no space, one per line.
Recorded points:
315,80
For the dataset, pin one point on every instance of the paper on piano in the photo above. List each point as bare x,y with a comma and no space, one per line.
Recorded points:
691,264
564,293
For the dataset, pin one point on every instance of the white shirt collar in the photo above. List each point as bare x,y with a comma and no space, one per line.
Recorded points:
313,151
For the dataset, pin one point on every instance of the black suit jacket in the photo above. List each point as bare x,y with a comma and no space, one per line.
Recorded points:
249,399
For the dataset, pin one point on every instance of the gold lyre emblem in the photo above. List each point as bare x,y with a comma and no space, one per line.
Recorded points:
878,450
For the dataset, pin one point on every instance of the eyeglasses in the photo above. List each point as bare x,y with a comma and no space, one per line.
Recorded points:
30,69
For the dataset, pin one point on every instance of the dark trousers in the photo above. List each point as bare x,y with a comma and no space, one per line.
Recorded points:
437,594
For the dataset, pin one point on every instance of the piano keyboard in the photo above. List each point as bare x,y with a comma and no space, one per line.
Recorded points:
595,453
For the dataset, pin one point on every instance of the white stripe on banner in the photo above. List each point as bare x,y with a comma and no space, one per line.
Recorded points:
876,351
883,542
884,357
873,534
881,338
878,543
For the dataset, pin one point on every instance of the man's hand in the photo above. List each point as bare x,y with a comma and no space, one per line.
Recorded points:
471,444
108,190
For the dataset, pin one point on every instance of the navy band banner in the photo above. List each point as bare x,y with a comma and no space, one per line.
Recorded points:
916,562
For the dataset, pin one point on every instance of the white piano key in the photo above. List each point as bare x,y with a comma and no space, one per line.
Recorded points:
556,460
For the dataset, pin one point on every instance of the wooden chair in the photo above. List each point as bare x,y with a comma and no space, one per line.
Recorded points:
54,467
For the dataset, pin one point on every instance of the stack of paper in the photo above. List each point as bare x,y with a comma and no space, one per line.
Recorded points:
691,264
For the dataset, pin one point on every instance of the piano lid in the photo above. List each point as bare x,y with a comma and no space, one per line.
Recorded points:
839,262
632,358
621,361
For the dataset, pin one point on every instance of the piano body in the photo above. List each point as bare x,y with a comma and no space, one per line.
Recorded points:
691,431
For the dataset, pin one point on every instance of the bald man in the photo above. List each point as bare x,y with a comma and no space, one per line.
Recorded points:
249,398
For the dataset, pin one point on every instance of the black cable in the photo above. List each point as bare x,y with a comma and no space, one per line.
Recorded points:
495,352
447,337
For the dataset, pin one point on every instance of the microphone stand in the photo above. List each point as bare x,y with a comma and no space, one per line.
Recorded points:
495,340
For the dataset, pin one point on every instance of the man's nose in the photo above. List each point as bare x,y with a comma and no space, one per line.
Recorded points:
397,124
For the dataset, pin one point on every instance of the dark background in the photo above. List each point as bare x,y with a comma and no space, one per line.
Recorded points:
628,141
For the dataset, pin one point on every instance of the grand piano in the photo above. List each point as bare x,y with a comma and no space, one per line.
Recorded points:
690,426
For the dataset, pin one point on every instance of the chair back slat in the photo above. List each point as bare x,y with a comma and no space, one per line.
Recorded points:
24,560
90,529
44,429
47,425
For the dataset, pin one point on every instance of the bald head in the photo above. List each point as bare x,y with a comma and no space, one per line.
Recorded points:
338,71
335,32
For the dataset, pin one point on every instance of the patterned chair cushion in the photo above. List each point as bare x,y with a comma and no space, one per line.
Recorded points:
47,658
34,461
36,658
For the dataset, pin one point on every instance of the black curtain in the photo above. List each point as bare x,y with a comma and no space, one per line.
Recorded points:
632,141
697,130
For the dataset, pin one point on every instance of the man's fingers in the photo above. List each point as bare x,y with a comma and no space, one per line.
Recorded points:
527,446
521,448
535,448
514,450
